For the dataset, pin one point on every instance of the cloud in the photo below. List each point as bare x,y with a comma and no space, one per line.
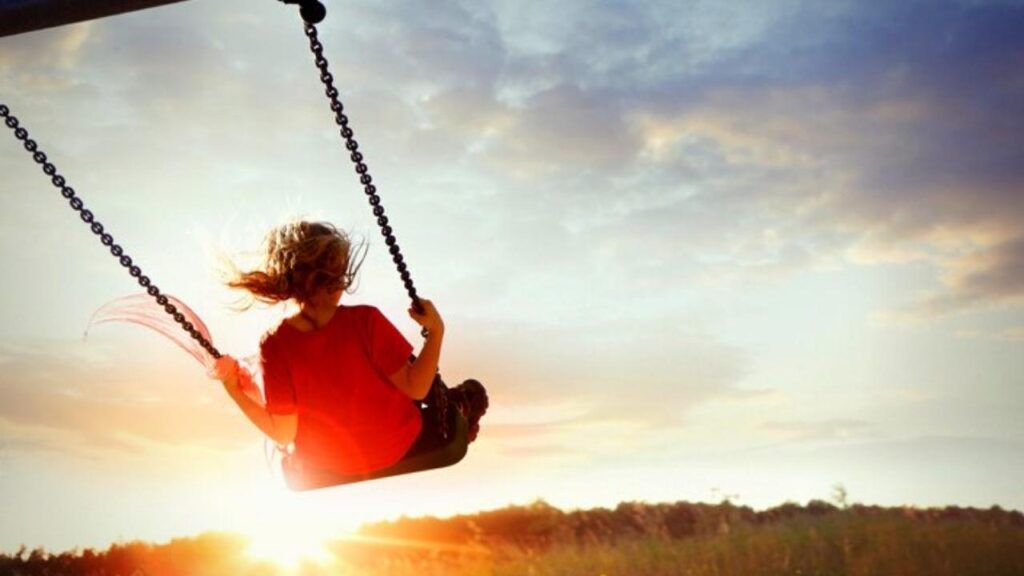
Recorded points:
88,401
1012,334
887,136
927,109
841,429
845,133
873,139
559,131
607,382
43,62
991,276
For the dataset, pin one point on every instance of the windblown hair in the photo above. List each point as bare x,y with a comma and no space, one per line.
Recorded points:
300,258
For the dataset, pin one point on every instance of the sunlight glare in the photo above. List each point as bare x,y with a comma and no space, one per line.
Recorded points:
287,547
291,530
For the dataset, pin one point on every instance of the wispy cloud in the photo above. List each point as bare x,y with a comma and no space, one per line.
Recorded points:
1013,334
87,401
817,431
605,379
43,62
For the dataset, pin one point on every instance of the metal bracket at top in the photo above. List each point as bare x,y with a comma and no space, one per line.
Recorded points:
312,11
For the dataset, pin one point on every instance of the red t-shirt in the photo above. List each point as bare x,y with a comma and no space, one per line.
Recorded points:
352,419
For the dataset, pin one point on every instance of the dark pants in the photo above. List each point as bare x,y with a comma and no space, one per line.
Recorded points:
431,448
435,433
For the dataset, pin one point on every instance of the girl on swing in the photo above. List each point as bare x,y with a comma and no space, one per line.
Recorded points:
339,381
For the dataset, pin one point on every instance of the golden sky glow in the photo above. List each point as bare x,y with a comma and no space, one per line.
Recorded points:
745,249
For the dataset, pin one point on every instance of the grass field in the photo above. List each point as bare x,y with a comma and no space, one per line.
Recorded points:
630,540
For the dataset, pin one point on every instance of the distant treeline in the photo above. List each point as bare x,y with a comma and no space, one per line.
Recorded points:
633,538
540,525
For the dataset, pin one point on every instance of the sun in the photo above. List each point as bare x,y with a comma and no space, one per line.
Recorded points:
288,547
290,530
293,529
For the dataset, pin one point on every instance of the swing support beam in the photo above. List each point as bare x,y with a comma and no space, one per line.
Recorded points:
19,16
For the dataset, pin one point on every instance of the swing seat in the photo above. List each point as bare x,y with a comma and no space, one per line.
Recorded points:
300,478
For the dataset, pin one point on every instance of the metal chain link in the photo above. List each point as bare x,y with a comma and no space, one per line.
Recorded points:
438,391
360,166
439,397
105,238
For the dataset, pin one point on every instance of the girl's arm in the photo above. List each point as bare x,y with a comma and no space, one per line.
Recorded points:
280,428
415,378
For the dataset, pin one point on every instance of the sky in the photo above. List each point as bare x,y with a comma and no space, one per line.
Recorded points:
695,250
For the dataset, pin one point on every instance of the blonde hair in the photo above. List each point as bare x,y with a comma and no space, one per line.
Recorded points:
300,259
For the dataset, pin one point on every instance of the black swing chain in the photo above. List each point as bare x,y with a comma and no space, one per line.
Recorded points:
105,238
136,272
439,397
360,166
